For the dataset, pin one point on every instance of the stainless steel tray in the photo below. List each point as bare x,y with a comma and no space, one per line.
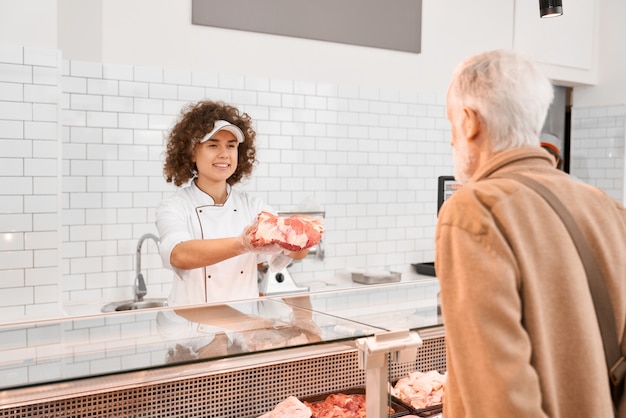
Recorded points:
376,277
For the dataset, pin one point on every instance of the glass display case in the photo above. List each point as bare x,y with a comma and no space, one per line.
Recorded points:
44,359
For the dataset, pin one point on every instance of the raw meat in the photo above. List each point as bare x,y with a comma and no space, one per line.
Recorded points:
289,408
340,405
293,233
420,390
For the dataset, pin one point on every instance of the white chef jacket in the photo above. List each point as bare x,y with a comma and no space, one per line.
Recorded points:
192,214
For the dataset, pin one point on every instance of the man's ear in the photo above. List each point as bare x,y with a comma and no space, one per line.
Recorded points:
471,123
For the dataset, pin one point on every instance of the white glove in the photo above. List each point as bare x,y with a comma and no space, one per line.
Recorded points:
279,261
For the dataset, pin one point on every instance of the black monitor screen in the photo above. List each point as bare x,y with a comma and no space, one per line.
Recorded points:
447,185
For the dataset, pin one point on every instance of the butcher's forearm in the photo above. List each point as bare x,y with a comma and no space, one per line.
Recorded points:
200,253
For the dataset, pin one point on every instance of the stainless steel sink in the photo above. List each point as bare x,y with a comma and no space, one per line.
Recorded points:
130,305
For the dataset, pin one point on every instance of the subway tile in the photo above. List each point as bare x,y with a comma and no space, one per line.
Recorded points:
11,166
133,121
40,240
256,83
148,74
14,73
11,204
11,241
102,119
282,86
42,56
100,216
218,94
149,106
85,102
11,129
74,117
102,87
269,99
102,184
118,168
117,104
150,137
173,107
41,130
117,136
46,112
40,203
117,200
85,69
86,135
118,72
131,184
16,111
146,168
73,151
203,79
12,92
242,98
163,91
293,100
46,75
9,185
102,152
45,294
76,85
160,122
177,76
231,82
45,221
280,114
85,200
116,231
101,248
16,260
40,167
134,89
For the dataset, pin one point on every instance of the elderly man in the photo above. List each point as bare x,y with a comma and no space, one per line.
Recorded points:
521,330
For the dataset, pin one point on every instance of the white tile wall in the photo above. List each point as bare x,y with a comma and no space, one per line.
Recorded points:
597,155
30,96
81,170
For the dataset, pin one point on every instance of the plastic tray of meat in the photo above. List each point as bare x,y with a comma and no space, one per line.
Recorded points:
358,395
421,388
431,412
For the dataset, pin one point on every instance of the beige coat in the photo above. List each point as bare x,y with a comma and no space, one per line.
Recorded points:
521,332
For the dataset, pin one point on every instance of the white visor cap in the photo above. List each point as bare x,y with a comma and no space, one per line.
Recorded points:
222,125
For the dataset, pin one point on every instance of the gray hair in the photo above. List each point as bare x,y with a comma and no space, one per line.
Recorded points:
508,92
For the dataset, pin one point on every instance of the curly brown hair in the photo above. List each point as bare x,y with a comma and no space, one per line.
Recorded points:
196,120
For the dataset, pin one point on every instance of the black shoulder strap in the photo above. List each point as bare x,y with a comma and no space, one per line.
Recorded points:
604,311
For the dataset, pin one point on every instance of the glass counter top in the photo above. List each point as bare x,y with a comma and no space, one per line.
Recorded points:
88,346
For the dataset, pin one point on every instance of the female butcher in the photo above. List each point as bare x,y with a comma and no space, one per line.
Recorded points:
201,226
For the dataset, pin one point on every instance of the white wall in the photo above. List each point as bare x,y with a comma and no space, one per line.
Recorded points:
159,33
30,23
611,58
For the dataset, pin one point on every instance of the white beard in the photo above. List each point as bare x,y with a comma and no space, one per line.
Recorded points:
463,161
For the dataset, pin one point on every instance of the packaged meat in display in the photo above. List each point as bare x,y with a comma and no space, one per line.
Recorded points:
293,233
423,391
289,408
348,403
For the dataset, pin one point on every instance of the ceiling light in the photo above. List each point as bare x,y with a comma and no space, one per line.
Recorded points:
550,8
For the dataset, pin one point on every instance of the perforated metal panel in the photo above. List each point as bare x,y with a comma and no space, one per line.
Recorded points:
244,393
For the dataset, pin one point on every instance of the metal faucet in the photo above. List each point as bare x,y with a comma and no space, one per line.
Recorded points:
140,284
